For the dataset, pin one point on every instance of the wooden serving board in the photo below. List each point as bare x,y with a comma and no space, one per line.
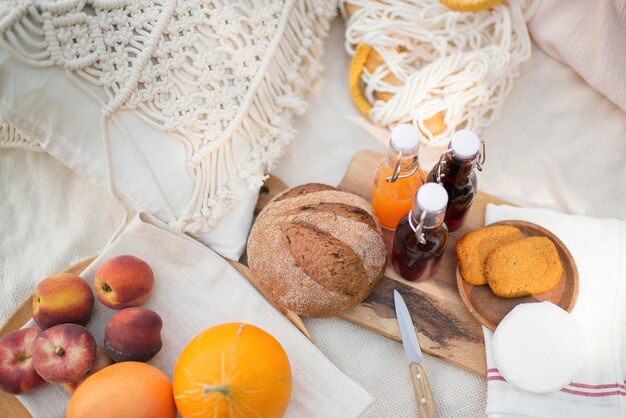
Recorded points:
445,327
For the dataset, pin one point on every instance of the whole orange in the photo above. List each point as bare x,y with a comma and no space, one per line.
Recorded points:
128,389
233,370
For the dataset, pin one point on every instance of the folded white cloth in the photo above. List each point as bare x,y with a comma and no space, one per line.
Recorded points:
598,389
589,37
196,289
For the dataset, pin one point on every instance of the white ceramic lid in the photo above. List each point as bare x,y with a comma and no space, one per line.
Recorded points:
405,137
465,143
432,197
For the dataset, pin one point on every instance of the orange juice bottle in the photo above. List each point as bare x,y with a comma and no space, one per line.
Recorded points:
399,176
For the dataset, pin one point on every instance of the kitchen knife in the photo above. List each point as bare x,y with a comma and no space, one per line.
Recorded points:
421,387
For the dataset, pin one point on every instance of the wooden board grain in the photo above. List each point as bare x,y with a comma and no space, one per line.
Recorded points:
445,327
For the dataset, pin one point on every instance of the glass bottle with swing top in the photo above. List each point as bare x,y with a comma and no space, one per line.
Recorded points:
398,177
455,172
421,236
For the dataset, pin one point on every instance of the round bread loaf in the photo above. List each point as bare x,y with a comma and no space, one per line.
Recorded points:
316,250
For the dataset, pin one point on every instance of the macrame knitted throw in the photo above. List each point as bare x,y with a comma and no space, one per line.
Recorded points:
205,71
457,64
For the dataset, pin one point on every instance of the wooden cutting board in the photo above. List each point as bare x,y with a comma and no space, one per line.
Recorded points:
445,327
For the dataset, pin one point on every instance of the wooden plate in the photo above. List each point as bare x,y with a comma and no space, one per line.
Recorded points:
489,309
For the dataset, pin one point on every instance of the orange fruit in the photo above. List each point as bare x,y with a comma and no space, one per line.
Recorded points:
128,389
233,370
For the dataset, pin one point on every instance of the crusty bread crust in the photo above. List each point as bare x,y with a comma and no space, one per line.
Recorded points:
302,190
316,250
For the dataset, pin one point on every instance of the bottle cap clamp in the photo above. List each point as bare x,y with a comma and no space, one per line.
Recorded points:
396,171
480,159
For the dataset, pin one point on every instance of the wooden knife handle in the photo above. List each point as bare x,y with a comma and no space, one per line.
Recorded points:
423,394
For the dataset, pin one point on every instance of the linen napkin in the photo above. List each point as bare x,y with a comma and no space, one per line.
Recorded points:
196,289
598,389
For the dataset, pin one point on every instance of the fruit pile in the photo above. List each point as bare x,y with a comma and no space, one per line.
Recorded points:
112,380
61,350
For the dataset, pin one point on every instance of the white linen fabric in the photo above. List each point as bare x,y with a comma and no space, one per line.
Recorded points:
598,247
50,219
178,107
589,37
195,289
558,144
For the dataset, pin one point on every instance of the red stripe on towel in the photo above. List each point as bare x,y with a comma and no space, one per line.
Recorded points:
593,394
621,389
574,392
603,386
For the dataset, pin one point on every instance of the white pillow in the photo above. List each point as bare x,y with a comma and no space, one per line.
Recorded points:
182,106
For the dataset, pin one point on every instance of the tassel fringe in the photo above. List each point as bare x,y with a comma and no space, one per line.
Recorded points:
11,137
263,124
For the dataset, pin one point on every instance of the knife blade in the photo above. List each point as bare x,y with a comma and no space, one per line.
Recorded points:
413,353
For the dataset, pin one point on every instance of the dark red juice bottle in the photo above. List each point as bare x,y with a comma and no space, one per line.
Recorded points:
421,236
455,172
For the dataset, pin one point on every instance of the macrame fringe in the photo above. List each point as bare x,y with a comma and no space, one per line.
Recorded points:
11,137
268,125
265,119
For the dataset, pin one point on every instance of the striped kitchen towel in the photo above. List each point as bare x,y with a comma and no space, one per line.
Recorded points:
598,389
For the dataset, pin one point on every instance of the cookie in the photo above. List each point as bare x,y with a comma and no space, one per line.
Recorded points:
523,267
472,249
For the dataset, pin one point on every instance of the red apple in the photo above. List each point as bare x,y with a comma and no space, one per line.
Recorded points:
133,334
123,282
102,361
64,353
62,298
17,374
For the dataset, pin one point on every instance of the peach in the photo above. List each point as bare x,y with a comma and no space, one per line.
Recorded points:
64,353
17,374
133,334
102,361
62,298
123,282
